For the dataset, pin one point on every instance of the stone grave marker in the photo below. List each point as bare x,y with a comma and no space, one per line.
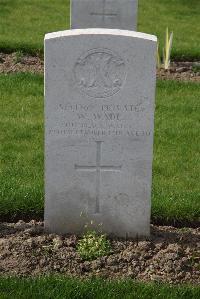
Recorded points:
99,124
118,14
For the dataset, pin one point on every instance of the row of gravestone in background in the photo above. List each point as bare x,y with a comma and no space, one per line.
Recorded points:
99,121
120,14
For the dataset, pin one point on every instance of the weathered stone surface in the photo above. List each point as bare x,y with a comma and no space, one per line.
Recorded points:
118,14
99,108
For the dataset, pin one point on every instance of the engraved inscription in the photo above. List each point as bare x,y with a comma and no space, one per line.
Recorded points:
100,73
78,129
104,13
101,120
98,168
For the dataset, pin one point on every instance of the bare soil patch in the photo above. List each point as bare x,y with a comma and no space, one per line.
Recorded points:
171,255
182,71
19,62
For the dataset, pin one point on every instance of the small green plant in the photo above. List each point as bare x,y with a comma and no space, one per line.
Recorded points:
93,245
196,69
18,57
166,52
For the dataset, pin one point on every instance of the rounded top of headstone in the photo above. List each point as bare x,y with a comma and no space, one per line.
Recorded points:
103,31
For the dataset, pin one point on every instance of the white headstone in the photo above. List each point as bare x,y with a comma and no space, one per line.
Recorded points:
118,14
99,108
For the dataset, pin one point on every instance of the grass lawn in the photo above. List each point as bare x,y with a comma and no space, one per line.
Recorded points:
176,171
181,16
176,168
21,145
60,287
23,23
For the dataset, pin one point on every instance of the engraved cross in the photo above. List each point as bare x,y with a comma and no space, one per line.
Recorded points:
103,14
98,168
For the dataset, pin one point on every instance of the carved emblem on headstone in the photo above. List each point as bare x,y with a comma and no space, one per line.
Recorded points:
100,73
